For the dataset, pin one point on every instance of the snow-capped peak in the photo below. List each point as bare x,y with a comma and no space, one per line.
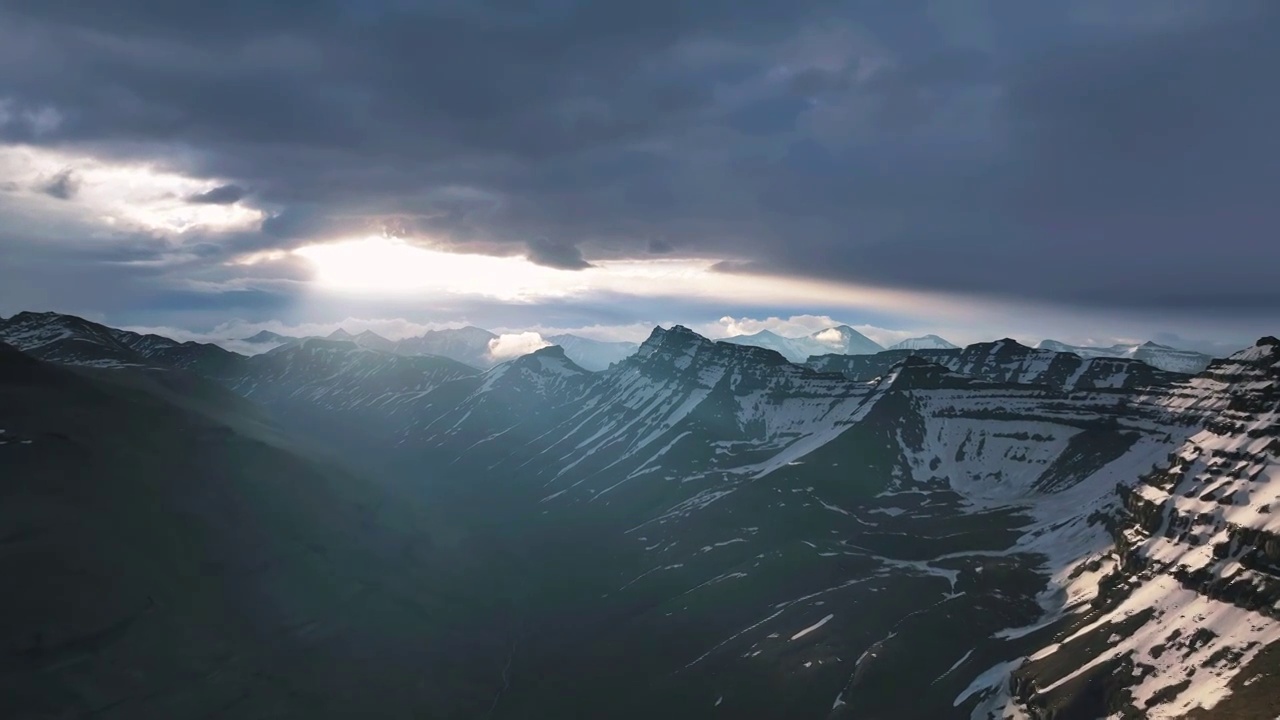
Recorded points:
926,342
266,336
678,337
840,340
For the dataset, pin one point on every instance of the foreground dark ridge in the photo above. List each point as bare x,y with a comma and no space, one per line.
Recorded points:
705,529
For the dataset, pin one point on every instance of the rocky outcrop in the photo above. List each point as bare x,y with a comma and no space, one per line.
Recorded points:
1189,606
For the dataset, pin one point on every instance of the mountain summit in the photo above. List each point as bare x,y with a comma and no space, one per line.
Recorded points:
927,342
840,339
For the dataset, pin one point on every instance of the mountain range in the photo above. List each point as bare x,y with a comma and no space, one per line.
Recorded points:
840,339
469,345
700,529
1154,354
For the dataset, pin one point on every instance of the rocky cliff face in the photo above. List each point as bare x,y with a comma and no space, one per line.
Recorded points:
1183,622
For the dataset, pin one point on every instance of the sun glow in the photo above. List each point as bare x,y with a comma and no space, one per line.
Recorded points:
383,266
389,266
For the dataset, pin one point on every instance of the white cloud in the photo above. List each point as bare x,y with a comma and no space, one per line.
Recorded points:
632,332
794,326
118,196
830,336
505,347
384,267
800,326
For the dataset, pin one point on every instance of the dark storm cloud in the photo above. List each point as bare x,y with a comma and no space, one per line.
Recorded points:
660,247
221,195
1089,153
62,186
556,255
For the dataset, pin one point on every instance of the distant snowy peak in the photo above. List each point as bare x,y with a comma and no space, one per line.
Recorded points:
927,342
265,337
1156,355
593,354
374,341
842,340
468,345
765,339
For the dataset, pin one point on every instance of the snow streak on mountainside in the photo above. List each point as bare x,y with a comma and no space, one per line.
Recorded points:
1153,354
1037,466
1186,600
266,337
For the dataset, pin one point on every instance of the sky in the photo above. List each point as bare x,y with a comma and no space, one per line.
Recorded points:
1087,170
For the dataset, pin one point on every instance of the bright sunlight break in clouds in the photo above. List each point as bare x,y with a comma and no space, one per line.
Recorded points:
975,171
389,266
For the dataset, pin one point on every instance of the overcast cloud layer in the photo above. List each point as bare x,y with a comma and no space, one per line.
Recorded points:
1112,164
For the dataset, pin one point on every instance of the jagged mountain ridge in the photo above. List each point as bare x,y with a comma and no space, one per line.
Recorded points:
710,476
1009,361
1061,443
344,386
264,337
70,340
